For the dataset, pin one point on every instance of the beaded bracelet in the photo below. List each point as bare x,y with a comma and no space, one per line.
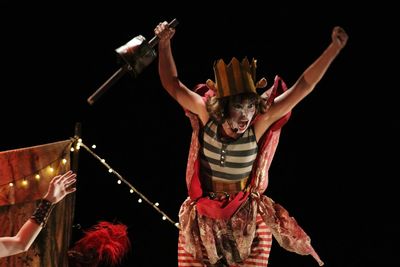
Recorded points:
42,212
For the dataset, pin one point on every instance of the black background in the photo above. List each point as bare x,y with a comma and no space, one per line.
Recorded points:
334,169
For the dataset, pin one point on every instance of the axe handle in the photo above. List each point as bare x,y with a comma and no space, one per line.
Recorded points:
155,39
107,84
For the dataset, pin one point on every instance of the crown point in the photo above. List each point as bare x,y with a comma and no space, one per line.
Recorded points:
211,85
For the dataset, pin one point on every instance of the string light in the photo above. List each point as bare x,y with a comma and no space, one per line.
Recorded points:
48,169
132,188
24,183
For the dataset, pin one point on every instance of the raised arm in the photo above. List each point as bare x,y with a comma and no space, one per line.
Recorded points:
59,187
169,74
305,83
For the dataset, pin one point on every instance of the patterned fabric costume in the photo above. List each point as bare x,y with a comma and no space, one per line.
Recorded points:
212,230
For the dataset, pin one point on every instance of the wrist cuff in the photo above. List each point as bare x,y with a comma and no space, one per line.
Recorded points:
42,212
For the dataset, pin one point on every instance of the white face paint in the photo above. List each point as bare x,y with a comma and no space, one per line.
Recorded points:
240,115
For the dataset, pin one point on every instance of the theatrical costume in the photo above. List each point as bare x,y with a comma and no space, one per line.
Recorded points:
236,230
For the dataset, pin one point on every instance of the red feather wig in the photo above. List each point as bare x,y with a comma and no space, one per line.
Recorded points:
104,243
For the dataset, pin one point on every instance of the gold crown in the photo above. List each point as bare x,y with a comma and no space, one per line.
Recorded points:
235,78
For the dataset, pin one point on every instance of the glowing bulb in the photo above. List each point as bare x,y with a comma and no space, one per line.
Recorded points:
131,191
110,170
11,184
64,161
119,181
51,169
72,149
139,200
103,160
24,182
157,204
164,218
93,146
37,177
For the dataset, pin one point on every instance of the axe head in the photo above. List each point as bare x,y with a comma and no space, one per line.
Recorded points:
137,54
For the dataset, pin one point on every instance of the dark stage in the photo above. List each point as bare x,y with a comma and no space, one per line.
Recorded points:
334,166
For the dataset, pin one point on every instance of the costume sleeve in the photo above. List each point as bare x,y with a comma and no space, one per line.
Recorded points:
269,141
192,169
277,88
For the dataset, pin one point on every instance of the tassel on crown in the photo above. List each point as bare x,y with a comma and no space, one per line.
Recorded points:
235,78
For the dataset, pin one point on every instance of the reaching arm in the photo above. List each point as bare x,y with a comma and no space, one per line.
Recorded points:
22,241
305,84
169,75
314,73
59,187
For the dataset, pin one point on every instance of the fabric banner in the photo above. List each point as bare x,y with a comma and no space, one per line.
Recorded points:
24,177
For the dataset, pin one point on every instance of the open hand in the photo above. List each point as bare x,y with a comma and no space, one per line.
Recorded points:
60,186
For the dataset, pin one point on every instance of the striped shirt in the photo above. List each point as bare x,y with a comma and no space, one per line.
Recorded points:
226,161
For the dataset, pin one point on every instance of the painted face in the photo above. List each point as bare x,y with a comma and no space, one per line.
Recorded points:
240,114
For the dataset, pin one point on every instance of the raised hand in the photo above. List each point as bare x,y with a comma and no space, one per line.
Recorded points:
60,186
339,37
